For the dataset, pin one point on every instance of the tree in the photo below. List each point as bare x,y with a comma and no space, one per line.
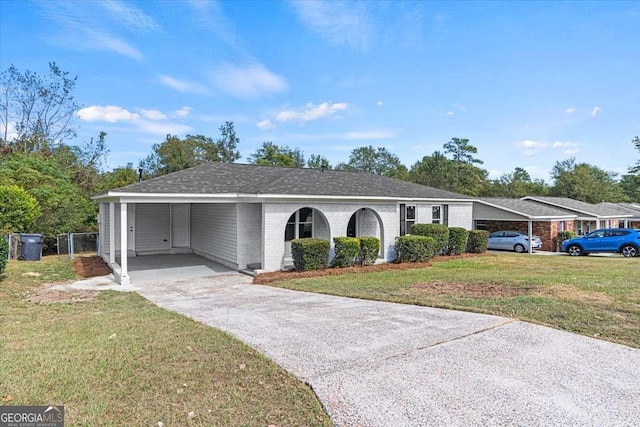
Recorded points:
636,169
316,161
462,153
441,172
271,154
119,177
378,161
227,144
42,109
18,209
630,185
585,182
517,184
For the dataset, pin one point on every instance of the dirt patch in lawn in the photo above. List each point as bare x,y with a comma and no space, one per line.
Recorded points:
90,267
471,289
278,276
46,295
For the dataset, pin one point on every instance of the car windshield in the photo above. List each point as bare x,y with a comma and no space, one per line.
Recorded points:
597,233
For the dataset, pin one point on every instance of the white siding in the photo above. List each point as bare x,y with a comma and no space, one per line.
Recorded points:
152,227
213,232
249,234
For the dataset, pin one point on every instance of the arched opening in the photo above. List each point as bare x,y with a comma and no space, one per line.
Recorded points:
366,222
305,223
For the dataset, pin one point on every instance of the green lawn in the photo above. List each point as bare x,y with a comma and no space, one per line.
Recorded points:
117,359
595,296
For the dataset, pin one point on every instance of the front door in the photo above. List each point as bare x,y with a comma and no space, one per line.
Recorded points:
180,226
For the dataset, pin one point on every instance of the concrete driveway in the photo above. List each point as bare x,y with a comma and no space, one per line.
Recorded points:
384,364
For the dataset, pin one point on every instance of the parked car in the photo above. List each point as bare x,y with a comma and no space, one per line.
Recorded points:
513,241
621,240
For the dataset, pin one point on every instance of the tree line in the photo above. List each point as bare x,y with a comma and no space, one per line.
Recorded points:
46,181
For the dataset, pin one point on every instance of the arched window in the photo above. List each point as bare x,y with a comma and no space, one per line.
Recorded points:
299,225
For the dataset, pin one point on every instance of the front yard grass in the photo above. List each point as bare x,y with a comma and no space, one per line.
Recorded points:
116,359
594,296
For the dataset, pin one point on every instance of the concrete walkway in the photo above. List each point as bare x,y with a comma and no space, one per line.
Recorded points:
383,364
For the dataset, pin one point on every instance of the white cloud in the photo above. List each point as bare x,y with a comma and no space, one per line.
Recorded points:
570,110
449,113
12,132
108,113
182,85
265,124
311,112
537,172
530,148
569,148
340,23
379,103
595,111
247,81
152,114
130,16
182,112
161,128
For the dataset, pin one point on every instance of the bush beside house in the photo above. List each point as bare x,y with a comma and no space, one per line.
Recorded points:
310,254
369,250
478,241
347,251
458,237
564,236
438,232
412,248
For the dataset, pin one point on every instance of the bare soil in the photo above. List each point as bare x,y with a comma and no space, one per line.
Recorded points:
479,290
277,276
46,295
90,267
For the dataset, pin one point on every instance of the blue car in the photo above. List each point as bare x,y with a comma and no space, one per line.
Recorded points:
625,241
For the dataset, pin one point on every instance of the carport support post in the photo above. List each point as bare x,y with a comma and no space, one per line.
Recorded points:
530,236
124,274
112,233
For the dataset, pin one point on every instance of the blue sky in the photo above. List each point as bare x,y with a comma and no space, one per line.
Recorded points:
527,83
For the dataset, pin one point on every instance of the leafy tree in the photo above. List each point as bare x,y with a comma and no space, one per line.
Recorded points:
517,184
378,161
441,172
175,154
271,154
630,185
636,169
316,161
18,209
462,152
43,109
585,182
119,177
64,205
84,163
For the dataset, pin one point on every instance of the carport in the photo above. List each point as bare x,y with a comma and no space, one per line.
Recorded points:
166,267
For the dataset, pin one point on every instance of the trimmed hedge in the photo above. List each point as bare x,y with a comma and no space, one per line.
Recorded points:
369,250
439,232
310,254
458,237
565,235
347,250
415,248
4,252
478,241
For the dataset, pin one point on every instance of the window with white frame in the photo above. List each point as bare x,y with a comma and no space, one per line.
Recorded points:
299,225
436,214
407,218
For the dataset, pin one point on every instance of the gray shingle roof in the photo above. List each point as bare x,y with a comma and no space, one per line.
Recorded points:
528,208
629,208
230,178
578,206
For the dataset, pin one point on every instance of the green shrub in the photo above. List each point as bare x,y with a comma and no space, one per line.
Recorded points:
439,232
347,250
369,250
565,235
458,237
4,252
478,241
415,248
310,254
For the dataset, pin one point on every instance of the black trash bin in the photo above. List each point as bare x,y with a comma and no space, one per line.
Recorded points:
31,247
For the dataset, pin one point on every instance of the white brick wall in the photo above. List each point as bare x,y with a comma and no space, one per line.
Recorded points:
249,234
337,216
461,215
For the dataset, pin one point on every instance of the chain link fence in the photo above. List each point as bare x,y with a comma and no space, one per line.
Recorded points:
77,244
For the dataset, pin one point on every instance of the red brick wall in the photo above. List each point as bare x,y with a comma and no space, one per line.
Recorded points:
547,230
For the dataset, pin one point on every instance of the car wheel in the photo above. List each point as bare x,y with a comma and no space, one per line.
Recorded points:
519,248
574,250
629,251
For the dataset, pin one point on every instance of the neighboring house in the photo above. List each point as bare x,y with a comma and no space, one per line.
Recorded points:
245,216
589,216
494,214
630,208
